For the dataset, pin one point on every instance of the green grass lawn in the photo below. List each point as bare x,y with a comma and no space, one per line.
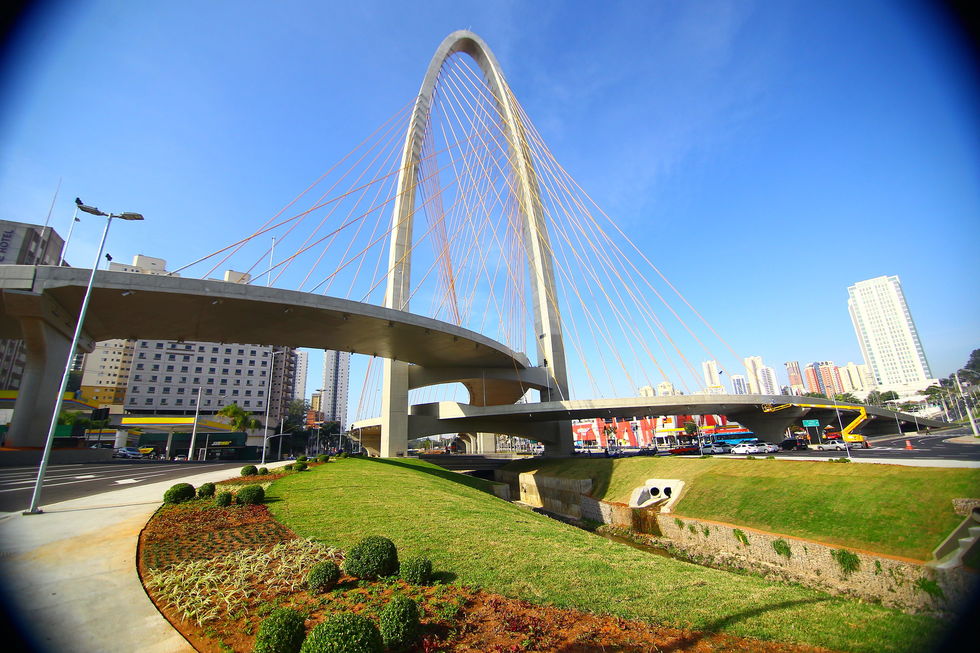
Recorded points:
488,542
905,511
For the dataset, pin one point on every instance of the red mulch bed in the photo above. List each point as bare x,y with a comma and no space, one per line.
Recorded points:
454,618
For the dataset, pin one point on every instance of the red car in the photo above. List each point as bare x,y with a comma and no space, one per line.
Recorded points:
685,449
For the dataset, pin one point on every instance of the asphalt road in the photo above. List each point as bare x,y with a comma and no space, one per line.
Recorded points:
63,482
934,446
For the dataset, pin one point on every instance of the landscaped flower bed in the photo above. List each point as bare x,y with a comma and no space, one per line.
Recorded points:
217,572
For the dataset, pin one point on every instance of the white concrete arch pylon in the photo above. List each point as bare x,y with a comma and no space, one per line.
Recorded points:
547,321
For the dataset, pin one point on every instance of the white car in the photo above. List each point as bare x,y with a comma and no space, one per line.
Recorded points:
745,447
768,447
711,448
834,445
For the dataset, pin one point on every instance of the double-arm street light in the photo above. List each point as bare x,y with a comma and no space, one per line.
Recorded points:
36,498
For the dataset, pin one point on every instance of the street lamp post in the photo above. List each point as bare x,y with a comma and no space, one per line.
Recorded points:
969,411
197,412
71,228
36,497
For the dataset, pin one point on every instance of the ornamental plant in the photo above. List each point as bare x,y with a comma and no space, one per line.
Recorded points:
250,495
323,577
281,632
206,491
288,466
249,470
371,558
347,632
263,471
416,571
179,493
400,626
323,458
300,466
223,499
302,459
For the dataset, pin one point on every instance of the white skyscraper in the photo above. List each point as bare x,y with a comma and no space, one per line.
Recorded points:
712,378
302,366
752,366
887,334
336,369
768,385
739,386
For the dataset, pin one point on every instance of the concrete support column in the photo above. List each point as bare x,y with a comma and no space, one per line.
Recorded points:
394,409
486,443
47,353
122,437
770,427
563,443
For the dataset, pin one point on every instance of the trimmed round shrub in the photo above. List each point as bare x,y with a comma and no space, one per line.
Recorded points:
302,459
300,466
249,470
206,491
263,471
416,571
323,458
371,558
288,466
179,493
250,495
400,625
323,576
347,632
223,499
281,632
342,454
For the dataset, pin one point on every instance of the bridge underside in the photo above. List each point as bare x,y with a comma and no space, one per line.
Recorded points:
542,421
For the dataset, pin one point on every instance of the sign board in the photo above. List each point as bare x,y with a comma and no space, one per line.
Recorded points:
811,422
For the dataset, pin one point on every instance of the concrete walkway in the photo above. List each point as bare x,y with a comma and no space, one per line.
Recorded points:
69,574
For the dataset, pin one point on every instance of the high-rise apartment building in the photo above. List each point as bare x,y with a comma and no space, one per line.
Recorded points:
336,372
739,386
829,378
105,372
886,333
302,367
712,378
647,391
666,389
795,377
752,366
814,382
768,384
23,244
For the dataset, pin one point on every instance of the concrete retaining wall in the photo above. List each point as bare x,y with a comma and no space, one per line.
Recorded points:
896,582
905,584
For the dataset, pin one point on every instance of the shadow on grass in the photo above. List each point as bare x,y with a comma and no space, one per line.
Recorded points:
453,477
689,640
597,468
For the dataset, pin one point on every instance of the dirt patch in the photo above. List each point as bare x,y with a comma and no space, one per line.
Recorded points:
454,618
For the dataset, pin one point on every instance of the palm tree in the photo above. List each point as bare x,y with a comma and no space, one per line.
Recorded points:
240,419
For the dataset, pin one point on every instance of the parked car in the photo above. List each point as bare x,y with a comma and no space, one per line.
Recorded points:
793,444
836,445
127,452
745,447
768,447
724,446
711,449
685,449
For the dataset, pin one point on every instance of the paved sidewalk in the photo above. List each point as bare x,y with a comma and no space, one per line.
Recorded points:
69,574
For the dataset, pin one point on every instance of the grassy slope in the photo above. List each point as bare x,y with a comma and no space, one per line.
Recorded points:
488,542
893,509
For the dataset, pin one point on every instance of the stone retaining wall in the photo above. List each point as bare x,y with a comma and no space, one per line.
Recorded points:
905,584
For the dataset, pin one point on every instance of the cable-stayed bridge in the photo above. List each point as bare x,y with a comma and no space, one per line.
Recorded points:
444,246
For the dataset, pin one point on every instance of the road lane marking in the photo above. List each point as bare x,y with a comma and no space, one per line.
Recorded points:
86,476
126,481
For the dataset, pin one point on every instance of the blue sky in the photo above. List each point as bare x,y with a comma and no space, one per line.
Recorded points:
764,155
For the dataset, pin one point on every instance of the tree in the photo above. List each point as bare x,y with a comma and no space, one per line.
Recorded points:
241,420
908,406
890,395
847,397
690,428
818,395
296,411
873,398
